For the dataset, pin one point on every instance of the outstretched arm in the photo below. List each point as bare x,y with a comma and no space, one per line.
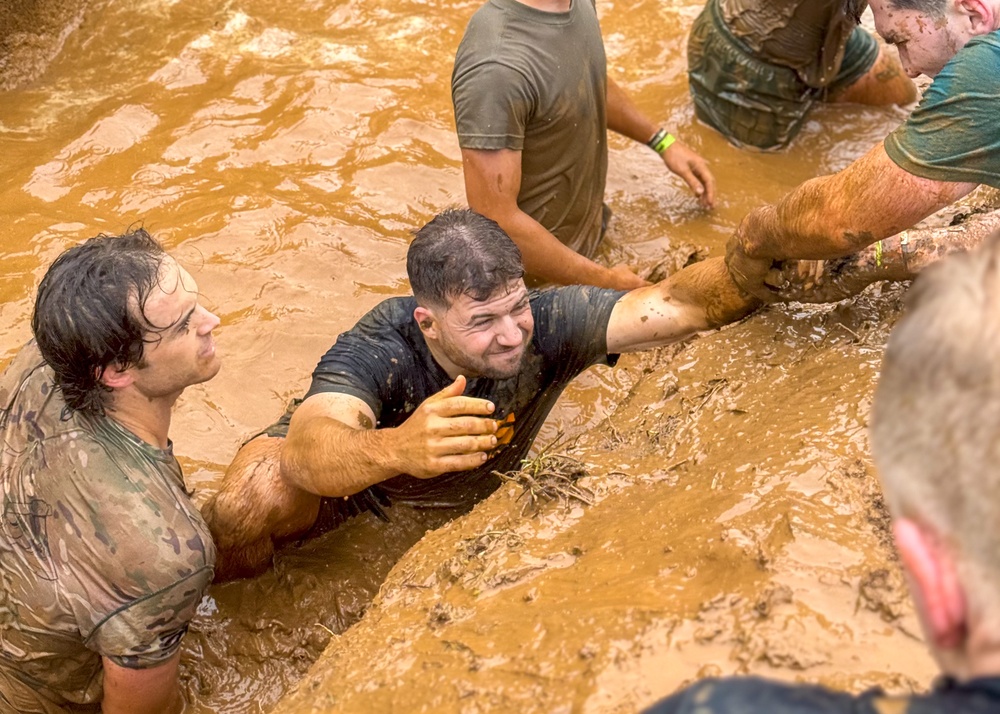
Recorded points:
492,182
833,216
699,297
625,118
333,449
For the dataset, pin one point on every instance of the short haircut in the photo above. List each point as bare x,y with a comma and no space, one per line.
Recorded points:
460,252
89,313
936,417
934,8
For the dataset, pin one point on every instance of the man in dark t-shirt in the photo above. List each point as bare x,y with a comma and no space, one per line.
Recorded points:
934,435
426,397
946,148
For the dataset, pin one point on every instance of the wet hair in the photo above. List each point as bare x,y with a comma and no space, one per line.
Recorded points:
460,252
934,8
935,424
855,8
89,313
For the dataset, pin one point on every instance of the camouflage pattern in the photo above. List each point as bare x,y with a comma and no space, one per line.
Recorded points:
752,695
102,554
756,88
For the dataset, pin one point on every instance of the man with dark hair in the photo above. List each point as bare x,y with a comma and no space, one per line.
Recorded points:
102,556
946,148
533,106
936,445
756,67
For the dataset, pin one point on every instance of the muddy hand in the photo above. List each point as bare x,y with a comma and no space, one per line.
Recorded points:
624,278
816,281
694,170
749,274
447,432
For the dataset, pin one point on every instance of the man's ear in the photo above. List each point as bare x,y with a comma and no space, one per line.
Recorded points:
427,322
115,377
939,594
981,15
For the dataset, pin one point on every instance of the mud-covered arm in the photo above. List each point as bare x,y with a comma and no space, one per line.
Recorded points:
153,690
625,118
699,297
333,449
836,215
492,183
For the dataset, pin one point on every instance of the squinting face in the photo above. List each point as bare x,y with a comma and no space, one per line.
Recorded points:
184,353
925,43
485,338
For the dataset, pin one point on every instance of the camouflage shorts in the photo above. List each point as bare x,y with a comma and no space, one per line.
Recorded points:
752,102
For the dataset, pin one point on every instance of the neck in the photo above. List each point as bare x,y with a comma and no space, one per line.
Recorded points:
548,5
450,368
148,418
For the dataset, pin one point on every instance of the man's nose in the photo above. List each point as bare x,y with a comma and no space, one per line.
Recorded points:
209,323
510,334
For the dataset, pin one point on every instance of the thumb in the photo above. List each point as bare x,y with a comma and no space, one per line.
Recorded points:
454,389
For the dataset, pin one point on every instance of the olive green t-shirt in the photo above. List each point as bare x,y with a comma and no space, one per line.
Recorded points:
952,135
807,36
102,554
536,82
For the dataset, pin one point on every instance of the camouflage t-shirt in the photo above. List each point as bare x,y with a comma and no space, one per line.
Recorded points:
101,551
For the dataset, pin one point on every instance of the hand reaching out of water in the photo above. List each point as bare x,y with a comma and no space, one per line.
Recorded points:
447,432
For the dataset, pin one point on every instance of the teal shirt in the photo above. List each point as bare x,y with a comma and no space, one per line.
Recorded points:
954,133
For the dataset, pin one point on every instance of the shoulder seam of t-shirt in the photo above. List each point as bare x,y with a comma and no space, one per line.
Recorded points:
142,599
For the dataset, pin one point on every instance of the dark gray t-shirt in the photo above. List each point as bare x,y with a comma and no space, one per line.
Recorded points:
536,82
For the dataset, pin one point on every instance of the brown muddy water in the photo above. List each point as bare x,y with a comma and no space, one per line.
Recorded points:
283,150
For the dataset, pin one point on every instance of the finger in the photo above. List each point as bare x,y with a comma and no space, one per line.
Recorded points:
462,462
459,406
462,425
454,389
776,278
708,181
463,445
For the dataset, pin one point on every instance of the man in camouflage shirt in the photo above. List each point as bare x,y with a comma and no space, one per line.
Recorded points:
103,558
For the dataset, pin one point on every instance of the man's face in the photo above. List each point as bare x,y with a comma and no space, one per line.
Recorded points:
483,338
184,353
925,43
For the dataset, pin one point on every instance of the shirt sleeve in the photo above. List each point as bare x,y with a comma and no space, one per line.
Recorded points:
147,632
951,135
493,104
572,324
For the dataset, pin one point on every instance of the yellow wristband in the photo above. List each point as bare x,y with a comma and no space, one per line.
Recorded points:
664,143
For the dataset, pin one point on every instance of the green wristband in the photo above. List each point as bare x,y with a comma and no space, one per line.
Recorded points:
661,141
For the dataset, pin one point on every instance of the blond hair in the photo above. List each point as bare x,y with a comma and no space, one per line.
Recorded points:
936,418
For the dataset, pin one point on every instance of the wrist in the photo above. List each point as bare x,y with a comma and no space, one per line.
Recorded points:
661,141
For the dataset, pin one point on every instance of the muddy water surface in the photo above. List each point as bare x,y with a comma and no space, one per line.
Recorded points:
283,150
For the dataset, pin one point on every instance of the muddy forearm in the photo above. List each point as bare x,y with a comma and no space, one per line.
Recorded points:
707,290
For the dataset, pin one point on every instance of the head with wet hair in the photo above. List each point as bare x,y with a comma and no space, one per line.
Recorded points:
89,313
460,252
936,421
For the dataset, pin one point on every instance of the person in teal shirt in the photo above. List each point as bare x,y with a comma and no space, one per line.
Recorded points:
947,147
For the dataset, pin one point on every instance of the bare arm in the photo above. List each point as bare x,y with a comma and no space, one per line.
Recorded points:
492,182
625,118
835,215
699,297
142,691
333,449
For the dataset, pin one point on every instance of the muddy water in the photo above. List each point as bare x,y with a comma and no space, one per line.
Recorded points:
283,150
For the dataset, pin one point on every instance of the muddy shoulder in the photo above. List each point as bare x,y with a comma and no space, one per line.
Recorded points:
729,522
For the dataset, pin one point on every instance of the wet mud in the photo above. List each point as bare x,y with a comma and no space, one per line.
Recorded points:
730,520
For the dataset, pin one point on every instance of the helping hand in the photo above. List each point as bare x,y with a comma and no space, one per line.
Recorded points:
750,274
